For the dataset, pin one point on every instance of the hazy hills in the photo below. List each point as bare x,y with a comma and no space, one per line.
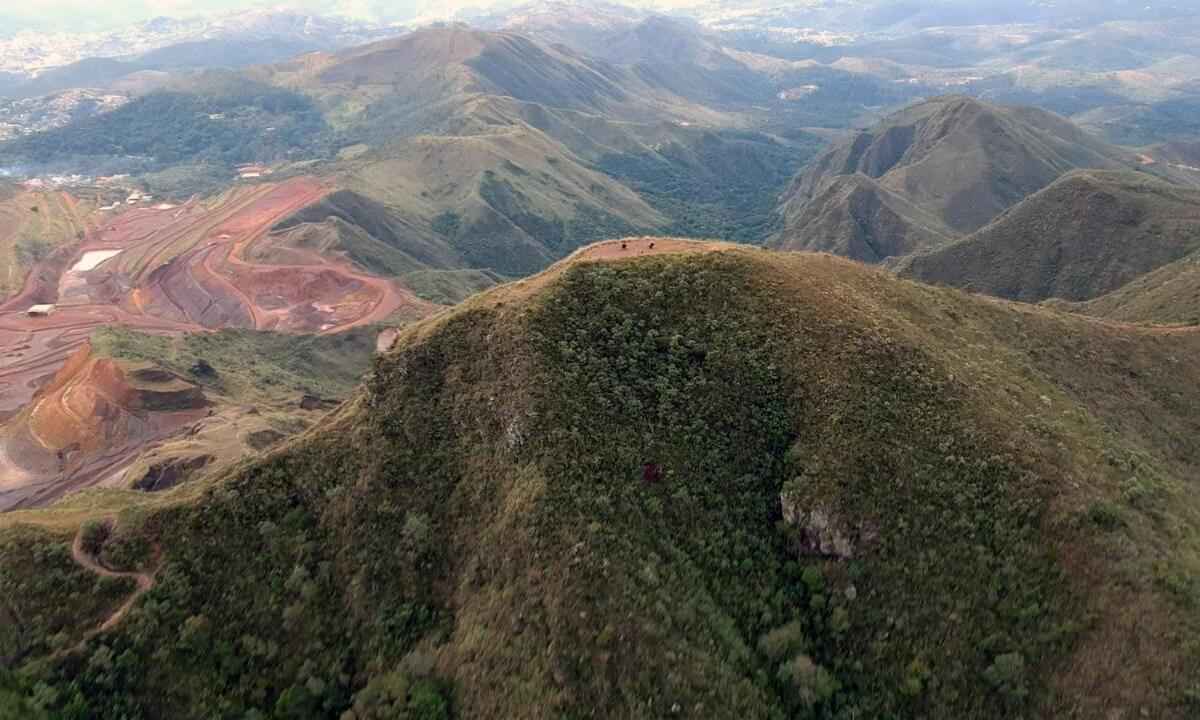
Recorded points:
780,478
43,63
507,152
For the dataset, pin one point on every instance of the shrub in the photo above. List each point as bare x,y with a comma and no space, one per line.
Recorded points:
1105,516
807,683
1007,675
783,642
94,534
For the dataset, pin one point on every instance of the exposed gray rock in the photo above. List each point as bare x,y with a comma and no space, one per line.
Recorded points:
820,531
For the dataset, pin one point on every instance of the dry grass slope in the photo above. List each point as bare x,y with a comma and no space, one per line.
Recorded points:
1086,235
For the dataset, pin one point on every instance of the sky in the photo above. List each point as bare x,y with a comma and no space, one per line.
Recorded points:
84,15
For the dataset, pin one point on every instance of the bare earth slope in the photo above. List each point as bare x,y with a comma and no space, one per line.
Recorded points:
69,419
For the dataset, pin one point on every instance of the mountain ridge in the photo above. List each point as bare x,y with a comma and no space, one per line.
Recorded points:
1087,234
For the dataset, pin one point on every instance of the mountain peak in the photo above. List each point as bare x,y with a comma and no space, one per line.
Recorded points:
960,160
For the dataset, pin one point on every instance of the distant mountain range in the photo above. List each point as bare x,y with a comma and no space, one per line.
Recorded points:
224,40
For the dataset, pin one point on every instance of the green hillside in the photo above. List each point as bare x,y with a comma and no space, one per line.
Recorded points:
1169,295
717,484
857,217
224,122
1086,235
950,164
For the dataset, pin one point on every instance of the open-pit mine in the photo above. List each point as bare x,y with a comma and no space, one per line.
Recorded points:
70,419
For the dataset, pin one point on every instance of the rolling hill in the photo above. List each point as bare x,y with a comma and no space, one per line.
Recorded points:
716,482
1086,235
960,161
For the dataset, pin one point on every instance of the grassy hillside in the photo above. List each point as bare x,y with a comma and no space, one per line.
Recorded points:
249,365
222,121
1169,295
856,217
512,200
719,484
33,225
958,160
1084,236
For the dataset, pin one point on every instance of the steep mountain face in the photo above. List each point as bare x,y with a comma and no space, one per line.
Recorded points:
1086,235
420,74
961,161
805,486
857,217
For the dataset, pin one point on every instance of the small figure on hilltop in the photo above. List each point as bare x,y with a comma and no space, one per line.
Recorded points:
624,245
651,246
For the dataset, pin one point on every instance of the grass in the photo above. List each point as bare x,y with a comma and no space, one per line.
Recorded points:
35,224
1086,235
448,287
1169,295
251,366
564,498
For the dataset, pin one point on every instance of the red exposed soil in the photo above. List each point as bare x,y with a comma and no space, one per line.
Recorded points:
84,425
66,418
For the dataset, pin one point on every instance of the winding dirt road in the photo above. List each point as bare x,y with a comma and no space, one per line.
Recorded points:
145,582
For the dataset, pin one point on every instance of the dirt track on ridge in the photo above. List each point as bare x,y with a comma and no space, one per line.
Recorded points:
145,582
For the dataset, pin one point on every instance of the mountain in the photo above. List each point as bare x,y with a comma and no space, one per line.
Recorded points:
1087,234
692,60
802,485
960,161
426,74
